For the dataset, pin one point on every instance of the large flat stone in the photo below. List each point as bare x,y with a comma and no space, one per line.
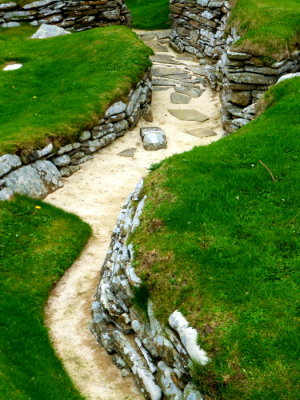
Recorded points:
188,115
179,98
189,91
153,138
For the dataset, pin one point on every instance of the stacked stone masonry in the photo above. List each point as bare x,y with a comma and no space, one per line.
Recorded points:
158,356
39,173
74,15
200,28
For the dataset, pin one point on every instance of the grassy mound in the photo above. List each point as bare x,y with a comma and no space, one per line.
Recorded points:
38,243
152,14
65,83
220,241
269,28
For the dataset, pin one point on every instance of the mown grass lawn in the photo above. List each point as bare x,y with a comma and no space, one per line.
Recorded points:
65,84
220,241
269,28
38,243
152,14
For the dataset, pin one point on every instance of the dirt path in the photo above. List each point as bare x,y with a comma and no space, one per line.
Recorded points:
95,193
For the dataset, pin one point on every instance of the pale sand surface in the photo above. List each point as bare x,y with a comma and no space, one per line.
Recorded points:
96,193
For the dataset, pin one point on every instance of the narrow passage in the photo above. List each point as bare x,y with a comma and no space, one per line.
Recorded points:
96,193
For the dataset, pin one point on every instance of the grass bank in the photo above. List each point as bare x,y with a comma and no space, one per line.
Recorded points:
38,243
269,28
219,241
149,15
65,84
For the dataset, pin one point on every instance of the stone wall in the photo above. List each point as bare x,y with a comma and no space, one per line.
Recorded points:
158,356
69,14
39,173
199,27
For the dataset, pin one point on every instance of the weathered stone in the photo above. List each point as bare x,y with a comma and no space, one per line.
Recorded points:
36,154
191,393
128,152
192,92
86,135
179,98
188,115
61,161
166,380
251,78
68,171
146,113
46,31
153,138
241,98
288,76
116,108
6,194
8,163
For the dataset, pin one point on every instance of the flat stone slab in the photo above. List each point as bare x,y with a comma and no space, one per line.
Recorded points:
46,31
201,132
165,59
192,92
179,98
154,138
161,88
128,152
189,115
163,71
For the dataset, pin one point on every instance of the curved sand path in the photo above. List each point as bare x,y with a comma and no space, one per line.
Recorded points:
96,193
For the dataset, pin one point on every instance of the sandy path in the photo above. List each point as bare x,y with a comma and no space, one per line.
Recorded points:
95,193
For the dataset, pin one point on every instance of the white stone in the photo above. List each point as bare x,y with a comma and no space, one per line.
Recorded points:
12,67
46,31
288,76
188,336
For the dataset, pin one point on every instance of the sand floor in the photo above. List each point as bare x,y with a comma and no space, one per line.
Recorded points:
95,193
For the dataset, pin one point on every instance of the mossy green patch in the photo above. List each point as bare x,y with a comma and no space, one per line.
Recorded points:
152,14
65,84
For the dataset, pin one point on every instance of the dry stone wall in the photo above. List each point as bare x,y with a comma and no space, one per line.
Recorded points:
39,173
158,356
199,27
69,14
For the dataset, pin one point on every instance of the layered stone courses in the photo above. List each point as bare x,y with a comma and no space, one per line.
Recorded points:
38,173
158,356
74,15
200,28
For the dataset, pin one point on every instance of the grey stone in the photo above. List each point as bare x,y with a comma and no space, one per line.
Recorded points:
191,393
288,76
192,92
10,24
180,98
9,162
116,108
165,59
153,138
201,132
170,390
36,154
147,113
86,135
6,194
7,6
37,4
46,31
68,171
49,174
61,161
128,152
65,149
251,78
120,126
188,115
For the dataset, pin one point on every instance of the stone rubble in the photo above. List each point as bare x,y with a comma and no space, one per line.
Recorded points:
46,31
38,173
153,138
158,356
75,15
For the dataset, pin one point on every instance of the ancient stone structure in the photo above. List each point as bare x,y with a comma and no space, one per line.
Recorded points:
74,15
200,28
158,356
39,173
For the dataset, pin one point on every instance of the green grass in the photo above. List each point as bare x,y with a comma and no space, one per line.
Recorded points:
150,14
37,246
269,28
219,241
66,82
